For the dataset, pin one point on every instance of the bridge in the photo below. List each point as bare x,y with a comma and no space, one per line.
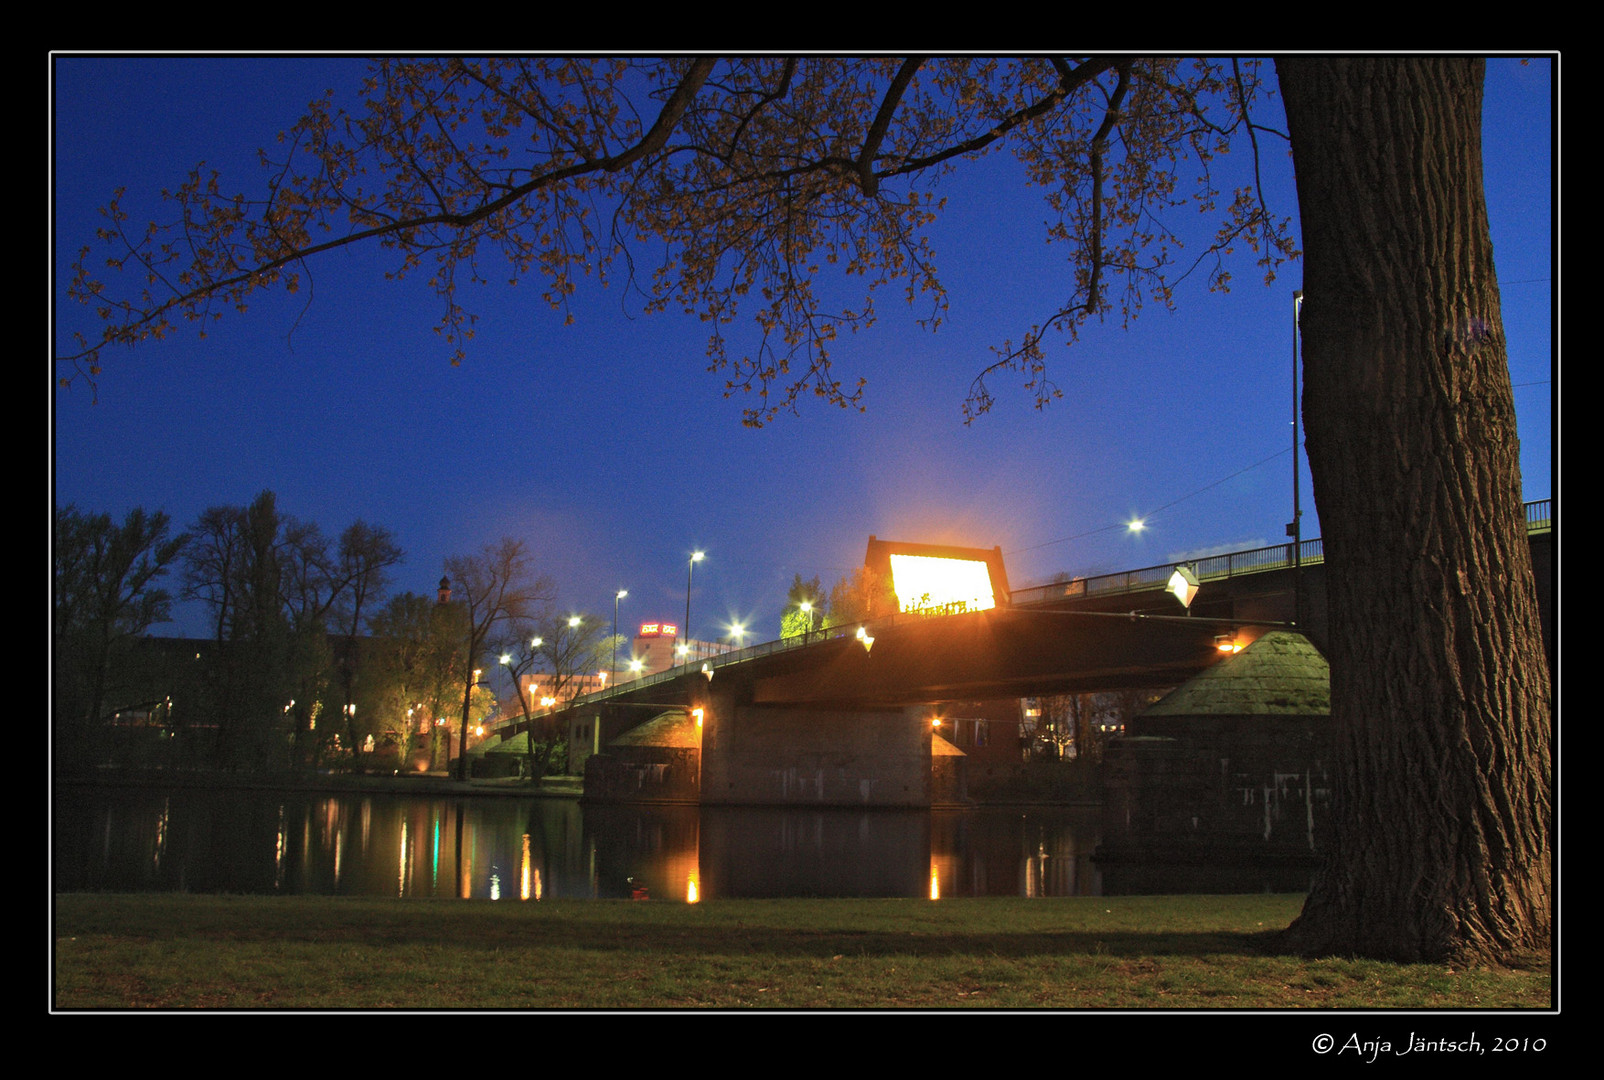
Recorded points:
841,716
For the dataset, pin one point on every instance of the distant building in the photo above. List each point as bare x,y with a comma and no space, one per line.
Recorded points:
655,649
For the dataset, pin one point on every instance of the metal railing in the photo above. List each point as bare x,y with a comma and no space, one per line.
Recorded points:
1211,568
1539,518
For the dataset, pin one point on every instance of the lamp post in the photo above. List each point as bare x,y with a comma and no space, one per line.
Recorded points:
807,609
1295,529
619,595
696,557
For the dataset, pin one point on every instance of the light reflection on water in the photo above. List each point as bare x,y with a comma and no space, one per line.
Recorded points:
237,841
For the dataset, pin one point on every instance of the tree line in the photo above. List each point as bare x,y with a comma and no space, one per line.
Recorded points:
309,661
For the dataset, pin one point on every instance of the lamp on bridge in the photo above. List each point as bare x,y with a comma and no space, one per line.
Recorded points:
1183,585
865,639
696,557
619,595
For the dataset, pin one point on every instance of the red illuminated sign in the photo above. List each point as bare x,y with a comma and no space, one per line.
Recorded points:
652,629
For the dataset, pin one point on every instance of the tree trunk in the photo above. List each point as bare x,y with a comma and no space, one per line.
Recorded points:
1442,813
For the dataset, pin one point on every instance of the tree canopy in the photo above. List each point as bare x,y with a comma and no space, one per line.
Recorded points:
720,187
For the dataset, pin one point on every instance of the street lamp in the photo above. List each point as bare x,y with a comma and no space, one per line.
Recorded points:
807,609
1183,586
696,557
1295,528
619,595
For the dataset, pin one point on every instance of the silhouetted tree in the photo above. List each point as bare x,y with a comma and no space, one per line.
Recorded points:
105,595
496,587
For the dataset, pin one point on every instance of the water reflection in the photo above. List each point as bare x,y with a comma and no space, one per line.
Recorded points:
214,841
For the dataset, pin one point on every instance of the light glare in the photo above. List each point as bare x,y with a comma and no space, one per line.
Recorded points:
927,581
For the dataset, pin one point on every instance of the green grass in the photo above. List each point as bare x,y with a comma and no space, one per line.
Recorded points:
120,951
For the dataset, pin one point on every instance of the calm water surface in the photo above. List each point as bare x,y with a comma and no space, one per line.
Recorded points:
230,841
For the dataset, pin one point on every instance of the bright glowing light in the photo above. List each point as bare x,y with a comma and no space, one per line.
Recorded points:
698,714
698,556
1182,585
693,888
574,620
935,883
637,666
925,581
1136,525
506,658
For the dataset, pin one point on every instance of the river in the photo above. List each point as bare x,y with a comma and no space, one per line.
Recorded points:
120,839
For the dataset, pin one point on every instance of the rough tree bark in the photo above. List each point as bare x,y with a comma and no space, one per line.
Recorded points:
1441,845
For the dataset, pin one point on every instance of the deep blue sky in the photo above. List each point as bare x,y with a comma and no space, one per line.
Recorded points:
609,448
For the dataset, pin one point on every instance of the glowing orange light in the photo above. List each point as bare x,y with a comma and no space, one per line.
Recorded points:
925,581
693,888
697,713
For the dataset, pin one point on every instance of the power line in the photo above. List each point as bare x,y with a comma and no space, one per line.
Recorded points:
1160,510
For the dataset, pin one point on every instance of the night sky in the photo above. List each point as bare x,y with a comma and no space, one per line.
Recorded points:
609,448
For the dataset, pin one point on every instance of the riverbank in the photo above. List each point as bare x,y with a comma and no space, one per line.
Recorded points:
183,952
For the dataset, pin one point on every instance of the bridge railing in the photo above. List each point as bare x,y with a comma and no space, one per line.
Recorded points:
1539,518
1210,568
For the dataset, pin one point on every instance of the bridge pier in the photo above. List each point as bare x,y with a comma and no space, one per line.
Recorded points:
814,756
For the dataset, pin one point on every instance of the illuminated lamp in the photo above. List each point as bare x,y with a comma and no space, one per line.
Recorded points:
1227,643
699,713
707,669
865,639
1183,586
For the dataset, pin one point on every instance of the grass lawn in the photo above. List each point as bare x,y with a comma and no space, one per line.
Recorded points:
122,951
